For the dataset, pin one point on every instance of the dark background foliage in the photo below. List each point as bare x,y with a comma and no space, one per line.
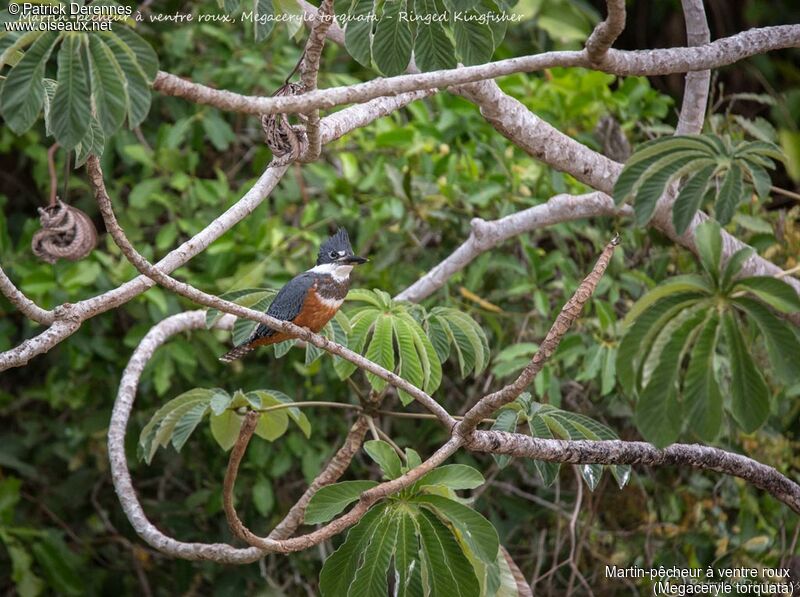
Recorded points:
406,187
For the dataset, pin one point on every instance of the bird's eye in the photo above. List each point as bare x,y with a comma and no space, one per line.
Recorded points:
332,254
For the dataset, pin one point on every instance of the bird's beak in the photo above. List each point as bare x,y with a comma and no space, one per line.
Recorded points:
353,260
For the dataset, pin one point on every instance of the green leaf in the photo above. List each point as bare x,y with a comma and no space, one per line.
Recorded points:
407,557
23,91
474,42
689,199
749,391
548,471
658,414
263,496
782,343
730,194
146,57
385,457
506,420
391,46
262,21
776,293
26,583
13,42
340,568
358,32
159,430
439,338
410,361
137,83
708,239
635,345
433,49
108,85
381,350
653,182
759,177
449,572
734,266
225,428
332,499
370,578
475,530
361,322
59,565
700,388
92,144
677,285
453,476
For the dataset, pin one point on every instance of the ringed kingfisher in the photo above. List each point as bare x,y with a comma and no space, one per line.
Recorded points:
309,299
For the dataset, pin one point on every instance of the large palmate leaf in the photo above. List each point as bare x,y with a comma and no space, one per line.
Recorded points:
391,334
670,357
101,78
177,419
712,165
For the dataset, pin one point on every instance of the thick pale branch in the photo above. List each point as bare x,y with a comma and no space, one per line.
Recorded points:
625,452
643,62
512,119
487,235
569,313
26,306
607,31
695,94
332,127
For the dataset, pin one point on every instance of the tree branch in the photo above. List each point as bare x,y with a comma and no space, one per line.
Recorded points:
309,70
487,235
607,31
695,93
569,313
619,62
26,306
626,452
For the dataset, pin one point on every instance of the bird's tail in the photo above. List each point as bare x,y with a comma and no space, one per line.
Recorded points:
237,353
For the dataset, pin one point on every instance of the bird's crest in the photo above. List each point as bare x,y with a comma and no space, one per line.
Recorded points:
335,246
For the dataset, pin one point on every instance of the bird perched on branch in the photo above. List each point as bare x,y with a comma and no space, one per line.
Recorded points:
310,299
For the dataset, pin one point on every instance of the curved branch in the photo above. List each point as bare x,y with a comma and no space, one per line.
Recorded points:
625,452
26,306
607,31
208,300
219,552
619,62
487,235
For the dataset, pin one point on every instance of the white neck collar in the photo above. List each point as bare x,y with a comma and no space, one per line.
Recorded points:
338,272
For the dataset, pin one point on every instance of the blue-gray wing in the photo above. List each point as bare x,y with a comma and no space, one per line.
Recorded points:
287,303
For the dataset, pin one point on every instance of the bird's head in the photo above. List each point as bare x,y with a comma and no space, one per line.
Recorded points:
336,250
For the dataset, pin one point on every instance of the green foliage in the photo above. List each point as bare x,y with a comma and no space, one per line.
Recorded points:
384,35
671,358
177,419
715,166
423,538
411,341
101,79
548,422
